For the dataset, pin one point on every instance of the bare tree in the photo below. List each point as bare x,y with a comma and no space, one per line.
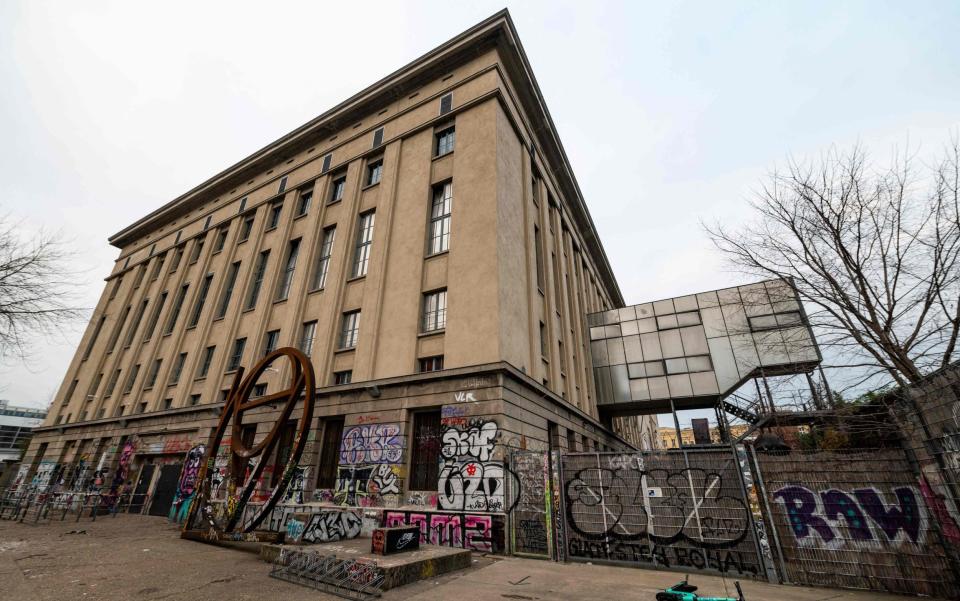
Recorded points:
36,288
875,255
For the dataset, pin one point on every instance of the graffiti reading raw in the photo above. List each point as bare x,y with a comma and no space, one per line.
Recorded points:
468,531
470,479
626,508
221,520
187,485
864,512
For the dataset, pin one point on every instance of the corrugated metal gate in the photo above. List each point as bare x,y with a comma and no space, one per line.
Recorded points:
683,510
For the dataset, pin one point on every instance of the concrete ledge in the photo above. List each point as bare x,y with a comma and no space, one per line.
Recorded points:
398,569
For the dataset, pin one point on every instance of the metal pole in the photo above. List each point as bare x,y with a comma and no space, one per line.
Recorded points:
769,527
817,401
743,490
676,425
826,387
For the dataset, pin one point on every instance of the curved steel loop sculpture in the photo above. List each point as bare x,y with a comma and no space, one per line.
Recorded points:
242,478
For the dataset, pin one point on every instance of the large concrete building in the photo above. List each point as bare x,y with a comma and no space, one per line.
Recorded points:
424,242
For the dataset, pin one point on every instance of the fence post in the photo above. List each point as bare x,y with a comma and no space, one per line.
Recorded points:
769,526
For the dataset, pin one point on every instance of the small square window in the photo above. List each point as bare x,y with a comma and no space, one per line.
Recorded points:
342,377
428,364
194,399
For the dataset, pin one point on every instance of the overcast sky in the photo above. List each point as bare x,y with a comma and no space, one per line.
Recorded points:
671,112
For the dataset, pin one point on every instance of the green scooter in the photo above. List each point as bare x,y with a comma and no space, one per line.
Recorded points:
687,592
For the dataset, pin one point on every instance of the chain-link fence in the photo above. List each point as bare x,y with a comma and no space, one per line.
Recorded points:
684,510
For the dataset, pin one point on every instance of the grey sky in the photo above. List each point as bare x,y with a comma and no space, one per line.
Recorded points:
670,112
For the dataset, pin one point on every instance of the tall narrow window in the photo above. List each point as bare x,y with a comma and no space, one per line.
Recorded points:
283,185
323,258
237,355
201,300
374,172
177,257
306,338
538,247
131,379
336,189
157,266
326,163
246,227
155,317
207,360
221,240
93,337
434,311
425,456
116,287
273,218
73,387
330,452
361,255
135,325
140,273
175,310
440,218
378,137
116,332
111,384
257,283
349,329
228,290
303,200
286,278
94,387
444,141
177,368
558,302
544,351
197,249
270,342
154,372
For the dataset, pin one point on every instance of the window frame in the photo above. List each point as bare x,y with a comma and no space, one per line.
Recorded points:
441,209
351,334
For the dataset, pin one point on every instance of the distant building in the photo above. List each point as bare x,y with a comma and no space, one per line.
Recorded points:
668,435
16,428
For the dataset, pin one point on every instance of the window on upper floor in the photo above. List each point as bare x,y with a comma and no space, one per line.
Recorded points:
440,210
428,364
237,355
349,329
434,311
342,377
444,141
273,217
361,255
270,342
307,336
337,188
246,227
304,196
374,172
323,258
286,277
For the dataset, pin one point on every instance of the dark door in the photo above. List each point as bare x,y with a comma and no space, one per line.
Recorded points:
166,489
140,492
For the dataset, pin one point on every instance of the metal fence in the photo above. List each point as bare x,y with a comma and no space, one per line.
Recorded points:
531,526
40,507
685,510
853,519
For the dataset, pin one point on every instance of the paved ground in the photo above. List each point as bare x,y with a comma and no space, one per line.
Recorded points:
132,557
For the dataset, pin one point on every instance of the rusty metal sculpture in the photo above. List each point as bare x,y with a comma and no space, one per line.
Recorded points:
211,521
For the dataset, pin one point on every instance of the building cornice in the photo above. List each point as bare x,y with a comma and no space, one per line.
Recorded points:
496,31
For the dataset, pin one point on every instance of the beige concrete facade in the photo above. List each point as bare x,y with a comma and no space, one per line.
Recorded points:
522,269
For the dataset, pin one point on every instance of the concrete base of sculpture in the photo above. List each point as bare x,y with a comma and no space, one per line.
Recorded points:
400,569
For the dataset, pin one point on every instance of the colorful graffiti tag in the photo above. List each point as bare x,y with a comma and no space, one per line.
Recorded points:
369,470
477,532
187,484
863,511
470,479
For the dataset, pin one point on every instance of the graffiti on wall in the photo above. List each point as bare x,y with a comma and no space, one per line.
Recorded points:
325,526
619,509
371,443
470,479
187,484
834,517
122,472
476,532
44,476
370,466
531,515
294,492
